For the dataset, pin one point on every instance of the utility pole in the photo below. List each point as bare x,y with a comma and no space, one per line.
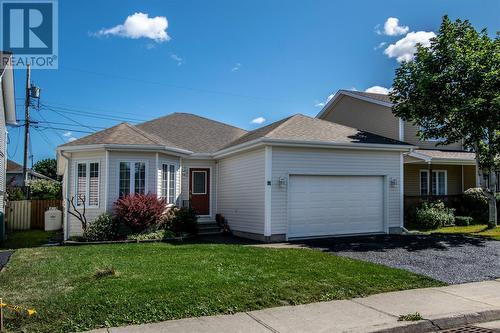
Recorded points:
27,124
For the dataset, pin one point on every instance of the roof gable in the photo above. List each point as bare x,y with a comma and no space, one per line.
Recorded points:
379,99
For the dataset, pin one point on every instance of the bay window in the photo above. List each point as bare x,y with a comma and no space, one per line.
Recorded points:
132,178
87,184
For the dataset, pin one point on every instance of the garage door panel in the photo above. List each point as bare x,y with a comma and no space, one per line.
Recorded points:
333,205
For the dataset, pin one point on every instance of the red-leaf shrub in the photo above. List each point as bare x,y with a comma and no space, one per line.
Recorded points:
139,211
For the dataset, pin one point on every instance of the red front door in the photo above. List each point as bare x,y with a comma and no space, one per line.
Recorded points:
199,190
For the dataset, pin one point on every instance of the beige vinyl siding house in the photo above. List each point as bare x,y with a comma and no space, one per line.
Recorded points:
411,137
264,182
373,113
380,117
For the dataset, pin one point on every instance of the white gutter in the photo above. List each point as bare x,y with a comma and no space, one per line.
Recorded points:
152,148
66,196
310,144
434,160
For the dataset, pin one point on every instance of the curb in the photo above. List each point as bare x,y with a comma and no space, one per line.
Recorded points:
428,325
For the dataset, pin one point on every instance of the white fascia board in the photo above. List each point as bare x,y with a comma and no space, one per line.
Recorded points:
449,161
453,161
310,144
152,148
339,94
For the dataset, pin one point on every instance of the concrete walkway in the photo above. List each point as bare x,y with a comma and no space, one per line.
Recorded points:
441,308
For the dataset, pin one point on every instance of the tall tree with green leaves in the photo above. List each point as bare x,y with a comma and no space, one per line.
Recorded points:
451,90
47,167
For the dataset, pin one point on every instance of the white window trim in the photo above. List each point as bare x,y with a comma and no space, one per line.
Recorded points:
429,181
132,176
420,180
87,183
169,173
192,183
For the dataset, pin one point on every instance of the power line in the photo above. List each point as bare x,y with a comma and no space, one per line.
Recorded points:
45,137
73,120
202,90
59,123
84,113
62,129
85,108
57,133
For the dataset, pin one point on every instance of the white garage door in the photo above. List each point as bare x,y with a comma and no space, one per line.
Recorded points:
335,205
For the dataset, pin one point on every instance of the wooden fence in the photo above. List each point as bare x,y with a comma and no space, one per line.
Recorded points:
28,214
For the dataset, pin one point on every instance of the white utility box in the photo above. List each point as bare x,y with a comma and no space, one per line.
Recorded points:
53,219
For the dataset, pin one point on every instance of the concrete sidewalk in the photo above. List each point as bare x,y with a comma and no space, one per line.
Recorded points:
441,308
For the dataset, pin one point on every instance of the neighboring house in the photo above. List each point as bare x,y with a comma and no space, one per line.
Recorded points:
7,117
298,177
429,169
15,174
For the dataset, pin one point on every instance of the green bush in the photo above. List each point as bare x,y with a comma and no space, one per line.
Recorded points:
43,189
15,194
183,221
463,221
433,215
103,228
475,203
152,235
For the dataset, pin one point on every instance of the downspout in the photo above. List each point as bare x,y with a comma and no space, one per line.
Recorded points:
65,198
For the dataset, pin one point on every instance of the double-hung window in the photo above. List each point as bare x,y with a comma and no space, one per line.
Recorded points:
437,183
132,178
168,183
87,184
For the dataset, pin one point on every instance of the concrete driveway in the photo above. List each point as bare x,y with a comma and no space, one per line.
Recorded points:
449,258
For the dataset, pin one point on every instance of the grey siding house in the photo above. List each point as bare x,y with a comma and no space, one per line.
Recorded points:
299,177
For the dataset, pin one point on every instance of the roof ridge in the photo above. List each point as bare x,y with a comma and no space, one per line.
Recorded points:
149,136
283,121
213,120
194,115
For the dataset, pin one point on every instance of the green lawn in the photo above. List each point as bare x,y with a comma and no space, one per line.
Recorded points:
159,281
472,230
29,238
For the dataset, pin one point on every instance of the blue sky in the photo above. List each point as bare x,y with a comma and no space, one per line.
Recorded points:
233,61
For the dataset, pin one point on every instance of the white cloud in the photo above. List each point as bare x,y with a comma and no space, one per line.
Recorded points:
392,27
67,134
236,67
380,45
71,139
258,120
378,90
176,58
321,104
404,49
140,25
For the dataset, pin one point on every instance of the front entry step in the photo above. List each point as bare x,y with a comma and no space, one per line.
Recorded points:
208,228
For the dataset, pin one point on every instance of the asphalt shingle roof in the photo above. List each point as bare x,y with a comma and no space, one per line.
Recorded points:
123,133
201,135
192,132
446,154
303,128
